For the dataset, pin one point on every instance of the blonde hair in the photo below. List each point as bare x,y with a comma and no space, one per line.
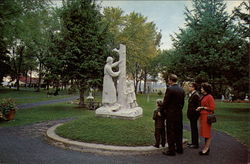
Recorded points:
159,102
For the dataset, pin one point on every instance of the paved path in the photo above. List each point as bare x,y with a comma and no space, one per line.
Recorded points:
28,145
30,105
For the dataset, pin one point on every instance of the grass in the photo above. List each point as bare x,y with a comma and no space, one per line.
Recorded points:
28,95
88,128
233,119
44,113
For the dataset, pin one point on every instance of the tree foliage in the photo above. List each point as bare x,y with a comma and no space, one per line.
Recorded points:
210,48
140,37
85,43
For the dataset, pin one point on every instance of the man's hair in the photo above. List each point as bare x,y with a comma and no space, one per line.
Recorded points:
173,77
207,87
194,85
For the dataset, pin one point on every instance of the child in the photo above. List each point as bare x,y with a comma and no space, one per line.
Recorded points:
159,126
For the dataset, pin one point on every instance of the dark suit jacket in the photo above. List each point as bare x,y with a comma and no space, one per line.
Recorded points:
173,103
159,120
193,103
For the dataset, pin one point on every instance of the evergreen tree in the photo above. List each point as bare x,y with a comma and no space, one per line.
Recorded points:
210,47
85,39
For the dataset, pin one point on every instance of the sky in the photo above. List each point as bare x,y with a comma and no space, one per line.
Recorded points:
168,15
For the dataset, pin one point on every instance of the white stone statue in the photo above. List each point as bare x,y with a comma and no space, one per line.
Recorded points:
246,98
123,105
109,97
131,97
90,96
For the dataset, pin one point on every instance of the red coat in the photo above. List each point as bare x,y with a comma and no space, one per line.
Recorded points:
205,128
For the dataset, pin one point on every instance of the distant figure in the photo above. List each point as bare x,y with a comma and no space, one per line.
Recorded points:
131,97
109,92
222,97
172,111
246,98
160,136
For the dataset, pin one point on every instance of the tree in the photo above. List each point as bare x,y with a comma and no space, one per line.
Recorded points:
210,46
86,41
16,27
140,37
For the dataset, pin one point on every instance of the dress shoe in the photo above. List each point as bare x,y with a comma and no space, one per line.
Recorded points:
157,146
206,153
179,151
193,146
169,153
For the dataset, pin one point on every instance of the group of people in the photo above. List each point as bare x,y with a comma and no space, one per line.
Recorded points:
169,114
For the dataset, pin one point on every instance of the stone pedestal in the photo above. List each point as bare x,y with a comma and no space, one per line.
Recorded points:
115,112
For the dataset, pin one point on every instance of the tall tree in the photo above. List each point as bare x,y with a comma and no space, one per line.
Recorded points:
140,37
210,46
86,43
15,30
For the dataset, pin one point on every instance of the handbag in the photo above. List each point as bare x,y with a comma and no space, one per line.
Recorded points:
211,118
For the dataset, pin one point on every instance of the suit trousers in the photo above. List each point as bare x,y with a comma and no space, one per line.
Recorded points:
160,136
194,131
175,135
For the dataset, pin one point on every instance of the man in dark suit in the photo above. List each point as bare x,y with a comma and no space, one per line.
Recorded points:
172,111
192,114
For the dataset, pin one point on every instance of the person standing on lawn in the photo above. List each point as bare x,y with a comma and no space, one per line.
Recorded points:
207,106
192,114
172,110
160,136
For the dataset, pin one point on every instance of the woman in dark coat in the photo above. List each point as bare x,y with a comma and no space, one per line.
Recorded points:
207,106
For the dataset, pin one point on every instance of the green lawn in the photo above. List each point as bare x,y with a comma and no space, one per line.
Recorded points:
233,118
28,95
44,113
89,128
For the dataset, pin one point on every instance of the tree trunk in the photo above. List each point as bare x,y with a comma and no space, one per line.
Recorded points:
26,79
40,77
30,77
145,82
17,83
20,61
81,103
140,86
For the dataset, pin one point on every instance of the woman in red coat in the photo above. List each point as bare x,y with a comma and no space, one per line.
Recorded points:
207,106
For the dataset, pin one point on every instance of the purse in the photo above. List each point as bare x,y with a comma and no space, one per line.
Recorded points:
211,118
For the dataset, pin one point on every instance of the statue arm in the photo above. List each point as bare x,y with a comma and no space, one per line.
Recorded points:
115,64
111,73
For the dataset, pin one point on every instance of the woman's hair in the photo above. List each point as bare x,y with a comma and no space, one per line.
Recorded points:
159,102
207,87
194,85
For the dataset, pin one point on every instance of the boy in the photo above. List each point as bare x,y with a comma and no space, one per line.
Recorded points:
159,126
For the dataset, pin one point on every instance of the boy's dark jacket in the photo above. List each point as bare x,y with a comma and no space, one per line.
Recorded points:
159,120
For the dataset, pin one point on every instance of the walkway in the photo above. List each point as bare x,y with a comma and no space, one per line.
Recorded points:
28,145
30,105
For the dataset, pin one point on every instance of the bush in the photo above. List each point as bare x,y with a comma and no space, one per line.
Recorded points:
6,107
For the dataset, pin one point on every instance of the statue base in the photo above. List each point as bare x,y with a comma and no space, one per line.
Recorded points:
116,112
